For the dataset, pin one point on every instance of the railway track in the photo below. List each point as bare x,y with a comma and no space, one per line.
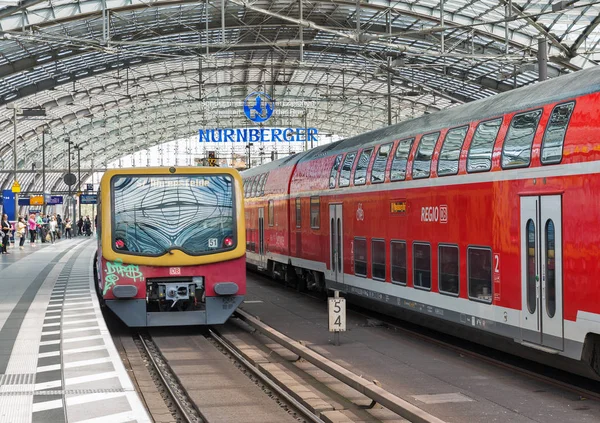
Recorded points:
186,410
291,388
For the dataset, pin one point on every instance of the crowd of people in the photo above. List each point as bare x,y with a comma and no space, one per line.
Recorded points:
41,228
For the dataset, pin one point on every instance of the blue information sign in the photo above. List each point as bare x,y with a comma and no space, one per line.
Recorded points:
55,199
9,203
24,201
88,198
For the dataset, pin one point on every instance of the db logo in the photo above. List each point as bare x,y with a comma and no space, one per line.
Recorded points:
443,214
360,214
175,271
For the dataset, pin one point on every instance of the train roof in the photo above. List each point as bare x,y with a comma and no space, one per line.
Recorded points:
562,88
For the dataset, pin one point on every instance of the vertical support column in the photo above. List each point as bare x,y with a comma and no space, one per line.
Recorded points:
15,160
301,33
442,39
543,59
389,89
223,21
305,129
507,13
206,21
44,168
358,20
79,177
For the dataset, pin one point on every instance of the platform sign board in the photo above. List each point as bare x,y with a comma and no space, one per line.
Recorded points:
88,199
337,314
24,201
55,199
89,187
8,203
36,200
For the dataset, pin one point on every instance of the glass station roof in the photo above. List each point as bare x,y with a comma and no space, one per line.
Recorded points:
117,76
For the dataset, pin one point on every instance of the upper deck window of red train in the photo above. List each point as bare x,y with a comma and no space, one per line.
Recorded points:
479,158
245,184
346,169
271,211
334,171
450,153
254,186
422,161
262,183
360,174
381,161
552,144
398,170
516,151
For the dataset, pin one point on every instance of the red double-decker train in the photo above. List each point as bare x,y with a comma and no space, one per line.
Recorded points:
481,220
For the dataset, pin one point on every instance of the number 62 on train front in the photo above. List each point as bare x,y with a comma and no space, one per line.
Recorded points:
337,314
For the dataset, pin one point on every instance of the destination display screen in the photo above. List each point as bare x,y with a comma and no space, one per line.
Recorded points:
152,215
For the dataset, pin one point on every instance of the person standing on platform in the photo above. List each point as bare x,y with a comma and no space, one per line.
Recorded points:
6,230
59,231
21,232
68,228
80,226
32,229
52,228
38,225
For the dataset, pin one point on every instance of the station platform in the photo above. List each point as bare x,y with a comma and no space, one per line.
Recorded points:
58,362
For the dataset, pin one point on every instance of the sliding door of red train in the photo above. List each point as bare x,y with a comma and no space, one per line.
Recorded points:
261,238
541,270
336,248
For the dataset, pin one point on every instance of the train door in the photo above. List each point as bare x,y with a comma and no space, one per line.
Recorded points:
336,248
261,238
541,271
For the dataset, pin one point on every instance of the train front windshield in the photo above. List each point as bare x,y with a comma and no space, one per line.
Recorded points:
152,215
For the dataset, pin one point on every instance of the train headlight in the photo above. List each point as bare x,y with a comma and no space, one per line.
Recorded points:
228,242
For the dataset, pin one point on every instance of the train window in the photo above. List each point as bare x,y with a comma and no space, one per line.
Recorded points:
398,170
422,161
253,186
378,259
360,257
552,144
263,182
346,169
398,256
422,266
550,269
245,188
450,153
448,269
482,145
381,159
315,212
516,151
479,273
334,171
360,174
271,213
531,267
298,213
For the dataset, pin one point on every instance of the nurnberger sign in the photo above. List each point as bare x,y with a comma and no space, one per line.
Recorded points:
258,107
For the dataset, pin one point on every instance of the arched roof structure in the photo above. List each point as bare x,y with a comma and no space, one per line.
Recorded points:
116,76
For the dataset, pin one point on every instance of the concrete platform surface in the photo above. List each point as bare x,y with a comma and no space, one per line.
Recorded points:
57,360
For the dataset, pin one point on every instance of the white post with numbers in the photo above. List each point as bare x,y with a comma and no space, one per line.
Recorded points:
337,316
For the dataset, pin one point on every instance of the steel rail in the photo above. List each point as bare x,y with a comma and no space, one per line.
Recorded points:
266,380
180,406
372,391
